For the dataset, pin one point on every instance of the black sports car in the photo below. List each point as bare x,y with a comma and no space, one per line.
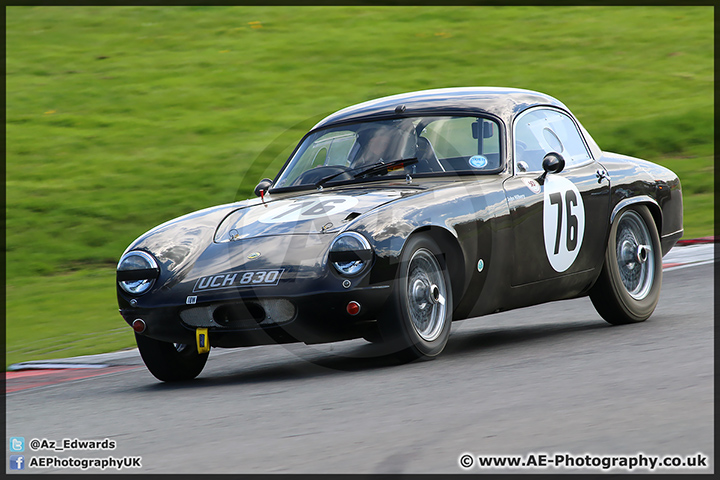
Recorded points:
393,218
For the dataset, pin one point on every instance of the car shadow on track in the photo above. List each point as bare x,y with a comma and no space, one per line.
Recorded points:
490,337
313,361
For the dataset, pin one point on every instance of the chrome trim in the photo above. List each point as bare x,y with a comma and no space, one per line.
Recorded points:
363,241
151,260
678,233
153,265
631,201
355,235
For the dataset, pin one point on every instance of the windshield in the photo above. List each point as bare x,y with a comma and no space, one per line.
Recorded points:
434,145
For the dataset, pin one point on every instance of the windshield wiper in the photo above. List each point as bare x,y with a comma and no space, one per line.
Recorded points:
380,167
384,168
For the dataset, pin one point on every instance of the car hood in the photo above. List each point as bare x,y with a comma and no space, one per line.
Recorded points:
215,238
315,212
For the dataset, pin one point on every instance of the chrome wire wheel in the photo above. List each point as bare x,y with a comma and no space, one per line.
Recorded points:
628,287
426,295
415,325
635,256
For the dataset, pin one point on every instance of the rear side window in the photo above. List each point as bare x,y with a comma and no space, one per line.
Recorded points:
541,131
464,143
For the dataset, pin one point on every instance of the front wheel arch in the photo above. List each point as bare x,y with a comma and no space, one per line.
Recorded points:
413,325
454,257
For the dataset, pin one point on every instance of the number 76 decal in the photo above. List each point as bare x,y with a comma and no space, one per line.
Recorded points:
563,222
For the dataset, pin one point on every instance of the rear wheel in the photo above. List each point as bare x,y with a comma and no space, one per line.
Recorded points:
416,324
628,288
170,362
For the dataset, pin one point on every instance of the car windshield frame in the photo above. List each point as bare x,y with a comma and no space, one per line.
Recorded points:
316,137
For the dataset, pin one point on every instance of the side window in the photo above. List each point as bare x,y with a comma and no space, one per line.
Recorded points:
464,143
542,131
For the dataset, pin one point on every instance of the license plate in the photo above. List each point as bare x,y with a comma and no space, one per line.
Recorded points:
255,278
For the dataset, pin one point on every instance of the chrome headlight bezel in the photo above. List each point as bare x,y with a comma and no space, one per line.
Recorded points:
137,272
350,254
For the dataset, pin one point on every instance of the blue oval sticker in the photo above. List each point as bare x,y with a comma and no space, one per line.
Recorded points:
478,161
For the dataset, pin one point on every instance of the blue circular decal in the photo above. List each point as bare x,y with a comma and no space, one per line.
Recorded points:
478,161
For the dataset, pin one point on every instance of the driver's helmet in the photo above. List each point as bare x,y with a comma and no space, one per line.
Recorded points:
385,141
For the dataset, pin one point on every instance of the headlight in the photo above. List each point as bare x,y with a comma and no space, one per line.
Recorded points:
136,272
350,253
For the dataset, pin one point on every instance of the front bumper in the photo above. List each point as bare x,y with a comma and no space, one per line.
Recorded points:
238,322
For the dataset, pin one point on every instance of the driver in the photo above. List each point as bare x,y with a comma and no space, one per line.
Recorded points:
386,143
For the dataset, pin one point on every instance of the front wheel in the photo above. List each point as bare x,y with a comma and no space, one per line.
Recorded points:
170,362
416,324
628,288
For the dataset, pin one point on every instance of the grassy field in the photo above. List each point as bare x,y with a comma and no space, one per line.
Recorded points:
120,118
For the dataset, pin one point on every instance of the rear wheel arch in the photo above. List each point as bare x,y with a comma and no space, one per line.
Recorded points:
649,202
657,215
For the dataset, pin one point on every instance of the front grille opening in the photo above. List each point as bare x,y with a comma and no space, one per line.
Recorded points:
239,315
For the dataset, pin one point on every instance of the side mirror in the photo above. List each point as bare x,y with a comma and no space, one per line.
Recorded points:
263,187
552,163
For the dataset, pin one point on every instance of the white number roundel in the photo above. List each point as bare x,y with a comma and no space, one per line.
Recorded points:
563,222
308,209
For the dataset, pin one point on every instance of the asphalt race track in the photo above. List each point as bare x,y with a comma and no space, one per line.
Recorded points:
550,379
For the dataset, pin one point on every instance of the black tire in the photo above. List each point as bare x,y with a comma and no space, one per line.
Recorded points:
628,288
416,322
170,362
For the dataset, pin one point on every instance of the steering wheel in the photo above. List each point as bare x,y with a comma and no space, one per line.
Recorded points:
316,174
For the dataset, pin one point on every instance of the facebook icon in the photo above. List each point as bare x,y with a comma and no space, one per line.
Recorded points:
17,462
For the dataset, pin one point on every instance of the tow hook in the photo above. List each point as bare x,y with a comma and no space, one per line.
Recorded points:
202,340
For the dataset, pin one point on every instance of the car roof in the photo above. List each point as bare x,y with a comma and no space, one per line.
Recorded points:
504,103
